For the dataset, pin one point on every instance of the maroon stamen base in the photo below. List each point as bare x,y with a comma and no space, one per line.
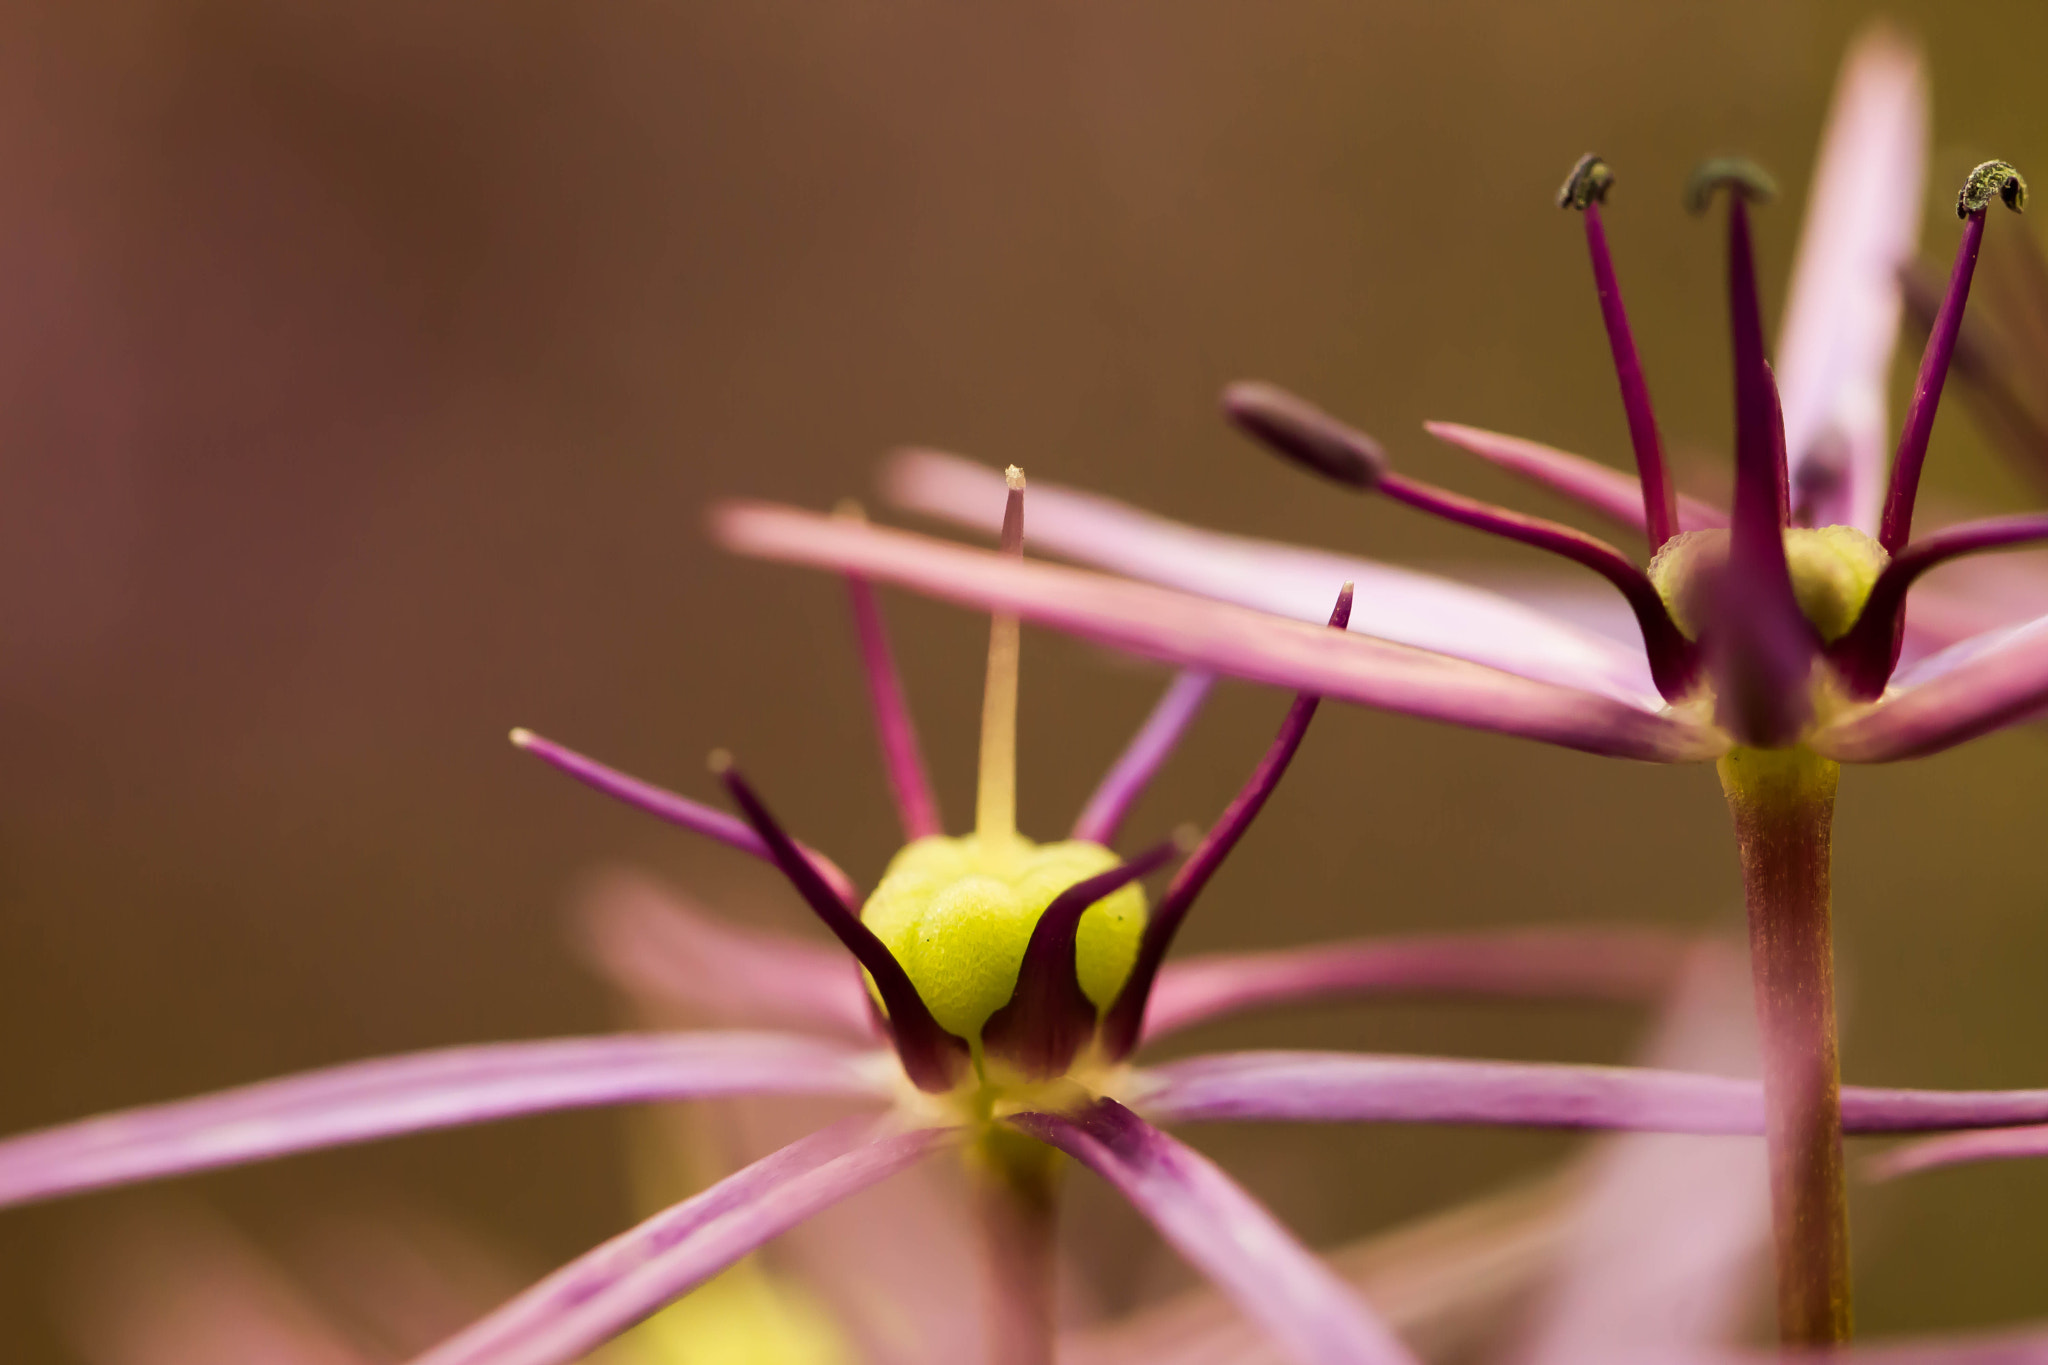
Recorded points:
1125,1018
1049,1017
933,1058
1867,654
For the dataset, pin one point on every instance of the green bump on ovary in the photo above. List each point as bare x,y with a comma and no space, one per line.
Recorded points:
958,914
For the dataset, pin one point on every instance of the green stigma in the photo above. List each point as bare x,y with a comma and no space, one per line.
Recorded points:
958,914
1833,570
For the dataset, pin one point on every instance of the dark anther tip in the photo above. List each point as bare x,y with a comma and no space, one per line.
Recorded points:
1588,183
1741,175
1993,178
1305,434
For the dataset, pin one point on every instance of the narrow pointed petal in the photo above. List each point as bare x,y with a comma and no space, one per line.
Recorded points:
1226,1234
1361,1087
1401,605
418,1092
1210,635
1595,486
666,805
1135,768
902,759
1841,320
1620,964
607,1290
1991,1144
661,948
1965,691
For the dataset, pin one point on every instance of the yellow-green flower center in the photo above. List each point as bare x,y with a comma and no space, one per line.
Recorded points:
958,914
1833,570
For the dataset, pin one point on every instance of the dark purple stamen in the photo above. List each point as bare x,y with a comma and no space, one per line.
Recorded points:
1125,1018
1993,178
1134,769
1049,1017
667,805
1311,437
902,757
933,1058
1586,190
1868,653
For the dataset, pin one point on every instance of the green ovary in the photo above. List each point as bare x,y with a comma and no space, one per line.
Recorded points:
1833,570
958,914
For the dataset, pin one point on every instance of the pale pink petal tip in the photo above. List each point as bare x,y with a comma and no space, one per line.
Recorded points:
607,1290
448,1088
1314,1316
1216,636
1842,315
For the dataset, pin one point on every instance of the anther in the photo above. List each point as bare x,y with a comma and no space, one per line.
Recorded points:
1587,185
1992,179
1306,434
1738,173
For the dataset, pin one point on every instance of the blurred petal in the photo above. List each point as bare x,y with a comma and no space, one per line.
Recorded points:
1406,606
691,969
1842,315
1992,1144
1577,964
1958,694
1226,1234
446,1088
1363,1087
1615,495
1228,639
607,1290
1671,1230
180,1287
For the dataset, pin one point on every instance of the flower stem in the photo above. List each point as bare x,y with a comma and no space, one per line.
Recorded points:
1016,1187
1783,803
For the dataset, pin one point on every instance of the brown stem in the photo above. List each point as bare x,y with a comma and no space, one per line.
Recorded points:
1016,1189
1783,802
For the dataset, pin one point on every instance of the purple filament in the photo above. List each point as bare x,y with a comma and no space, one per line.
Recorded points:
1660,497
933,1057
667,805
1866,655
1140,761
1049,1017
902,759
1125,1017
1897,524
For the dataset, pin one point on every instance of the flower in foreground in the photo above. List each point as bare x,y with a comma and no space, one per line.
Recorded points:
1010,982
1771,635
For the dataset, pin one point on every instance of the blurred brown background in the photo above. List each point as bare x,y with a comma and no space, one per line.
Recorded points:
365,369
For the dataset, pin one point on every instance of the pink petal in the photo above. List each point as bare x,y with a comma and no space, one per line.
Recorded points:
1966,690
1142,758
1362,1087
1608,491
607,1290
417,1092
1405,606
1581,964
1992,1144
1669,1232
1842,315
1226,1234
1228,639
694,970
